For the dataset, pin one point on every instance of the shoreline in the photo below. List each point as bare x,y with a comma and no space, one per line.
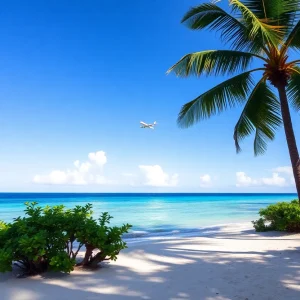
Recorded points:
182,232
152,213
230,263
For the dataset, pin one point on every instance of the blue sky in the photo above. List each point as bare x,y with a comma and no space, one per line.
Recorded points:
77,79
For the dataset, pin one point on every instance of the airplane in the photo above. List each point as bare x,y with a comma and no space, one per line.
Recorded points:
145,125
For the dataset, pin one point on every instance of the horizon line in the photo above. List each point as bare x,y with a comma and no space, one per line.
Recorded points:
133,193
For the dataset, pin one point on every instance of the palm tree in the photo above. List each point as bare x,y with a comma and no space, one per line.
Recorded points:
255,30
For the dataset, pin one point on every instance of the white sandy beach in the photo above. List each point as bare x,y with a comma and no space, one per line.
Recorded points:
225,264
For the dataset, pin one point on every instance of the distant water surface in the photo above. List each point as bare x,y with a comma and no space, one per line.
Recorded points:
154,214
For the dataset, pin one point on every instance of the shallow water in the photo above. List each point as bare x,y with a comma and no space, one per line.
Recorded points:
154,214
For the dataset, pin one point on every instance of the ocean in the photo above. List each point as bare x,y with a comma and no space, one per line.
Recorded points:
154,215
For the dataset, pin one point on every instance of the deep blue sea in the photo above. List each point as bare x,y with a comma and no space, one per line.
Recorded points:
154,214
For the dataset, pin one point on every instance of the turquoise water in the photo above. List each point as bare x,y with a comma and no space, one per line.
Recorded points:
154,214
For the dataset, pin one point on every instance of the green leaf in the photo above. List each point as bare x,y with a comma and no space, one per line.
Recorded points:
282,216
260,29
293,40
5,260
212,62
293,90
260,114
227,94
213,17
276,12
45,238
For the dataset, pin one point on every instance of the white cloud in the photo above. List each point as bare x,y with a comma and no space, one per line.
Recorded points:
90,172
61,177
82,167
84,173
98,157
242,180
286,170
205,181
155,176
275,180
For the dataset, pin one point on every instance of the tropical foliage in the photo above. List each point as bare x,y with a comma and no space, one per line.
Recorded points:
254,31
50,238
282,216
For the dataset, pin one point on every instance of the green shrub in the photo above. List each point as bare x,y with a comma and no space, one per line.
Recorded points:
50,238
282,216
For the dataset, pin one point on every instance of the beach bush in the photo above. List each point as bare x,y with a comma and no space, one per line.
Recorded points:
282,216
50,238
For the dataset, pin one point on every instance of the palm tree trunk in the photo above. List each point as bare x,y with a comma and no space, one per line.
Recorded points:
290,136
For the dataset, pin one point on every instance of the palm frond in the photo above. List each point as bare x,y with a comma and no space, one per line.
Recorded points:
293,40
260,114
282,13
260,142
293,89
212,62
260,29
226,94
231,30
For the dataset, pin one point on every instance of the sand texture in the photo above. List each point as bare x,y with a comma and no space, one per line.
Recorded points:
227,263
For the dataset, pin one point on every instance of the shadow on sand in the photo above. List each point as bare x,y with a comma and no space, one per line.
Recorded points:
177,269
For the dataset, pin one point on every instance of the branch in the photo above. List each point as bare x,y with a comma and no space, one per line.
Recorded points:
68,249
71,248
79,247
297,61
295,70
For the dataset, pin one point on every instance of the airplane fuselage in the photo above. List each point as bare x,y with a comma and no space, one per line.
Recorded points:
145,125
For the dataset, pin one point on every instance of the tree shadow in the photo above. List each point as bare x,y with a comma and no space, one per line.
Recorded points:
252,234
220,232
175,269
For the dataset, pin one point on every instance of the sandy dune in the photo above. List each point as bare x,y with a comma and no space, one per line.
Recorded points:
225,264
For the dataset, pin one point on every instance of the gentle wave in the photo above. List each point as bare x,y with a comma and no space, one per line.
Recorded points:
154,215
162,234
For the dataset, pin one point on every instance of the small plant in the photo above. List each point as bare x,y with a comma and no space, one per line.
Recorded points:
97,236
260,225
282,216
50,238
